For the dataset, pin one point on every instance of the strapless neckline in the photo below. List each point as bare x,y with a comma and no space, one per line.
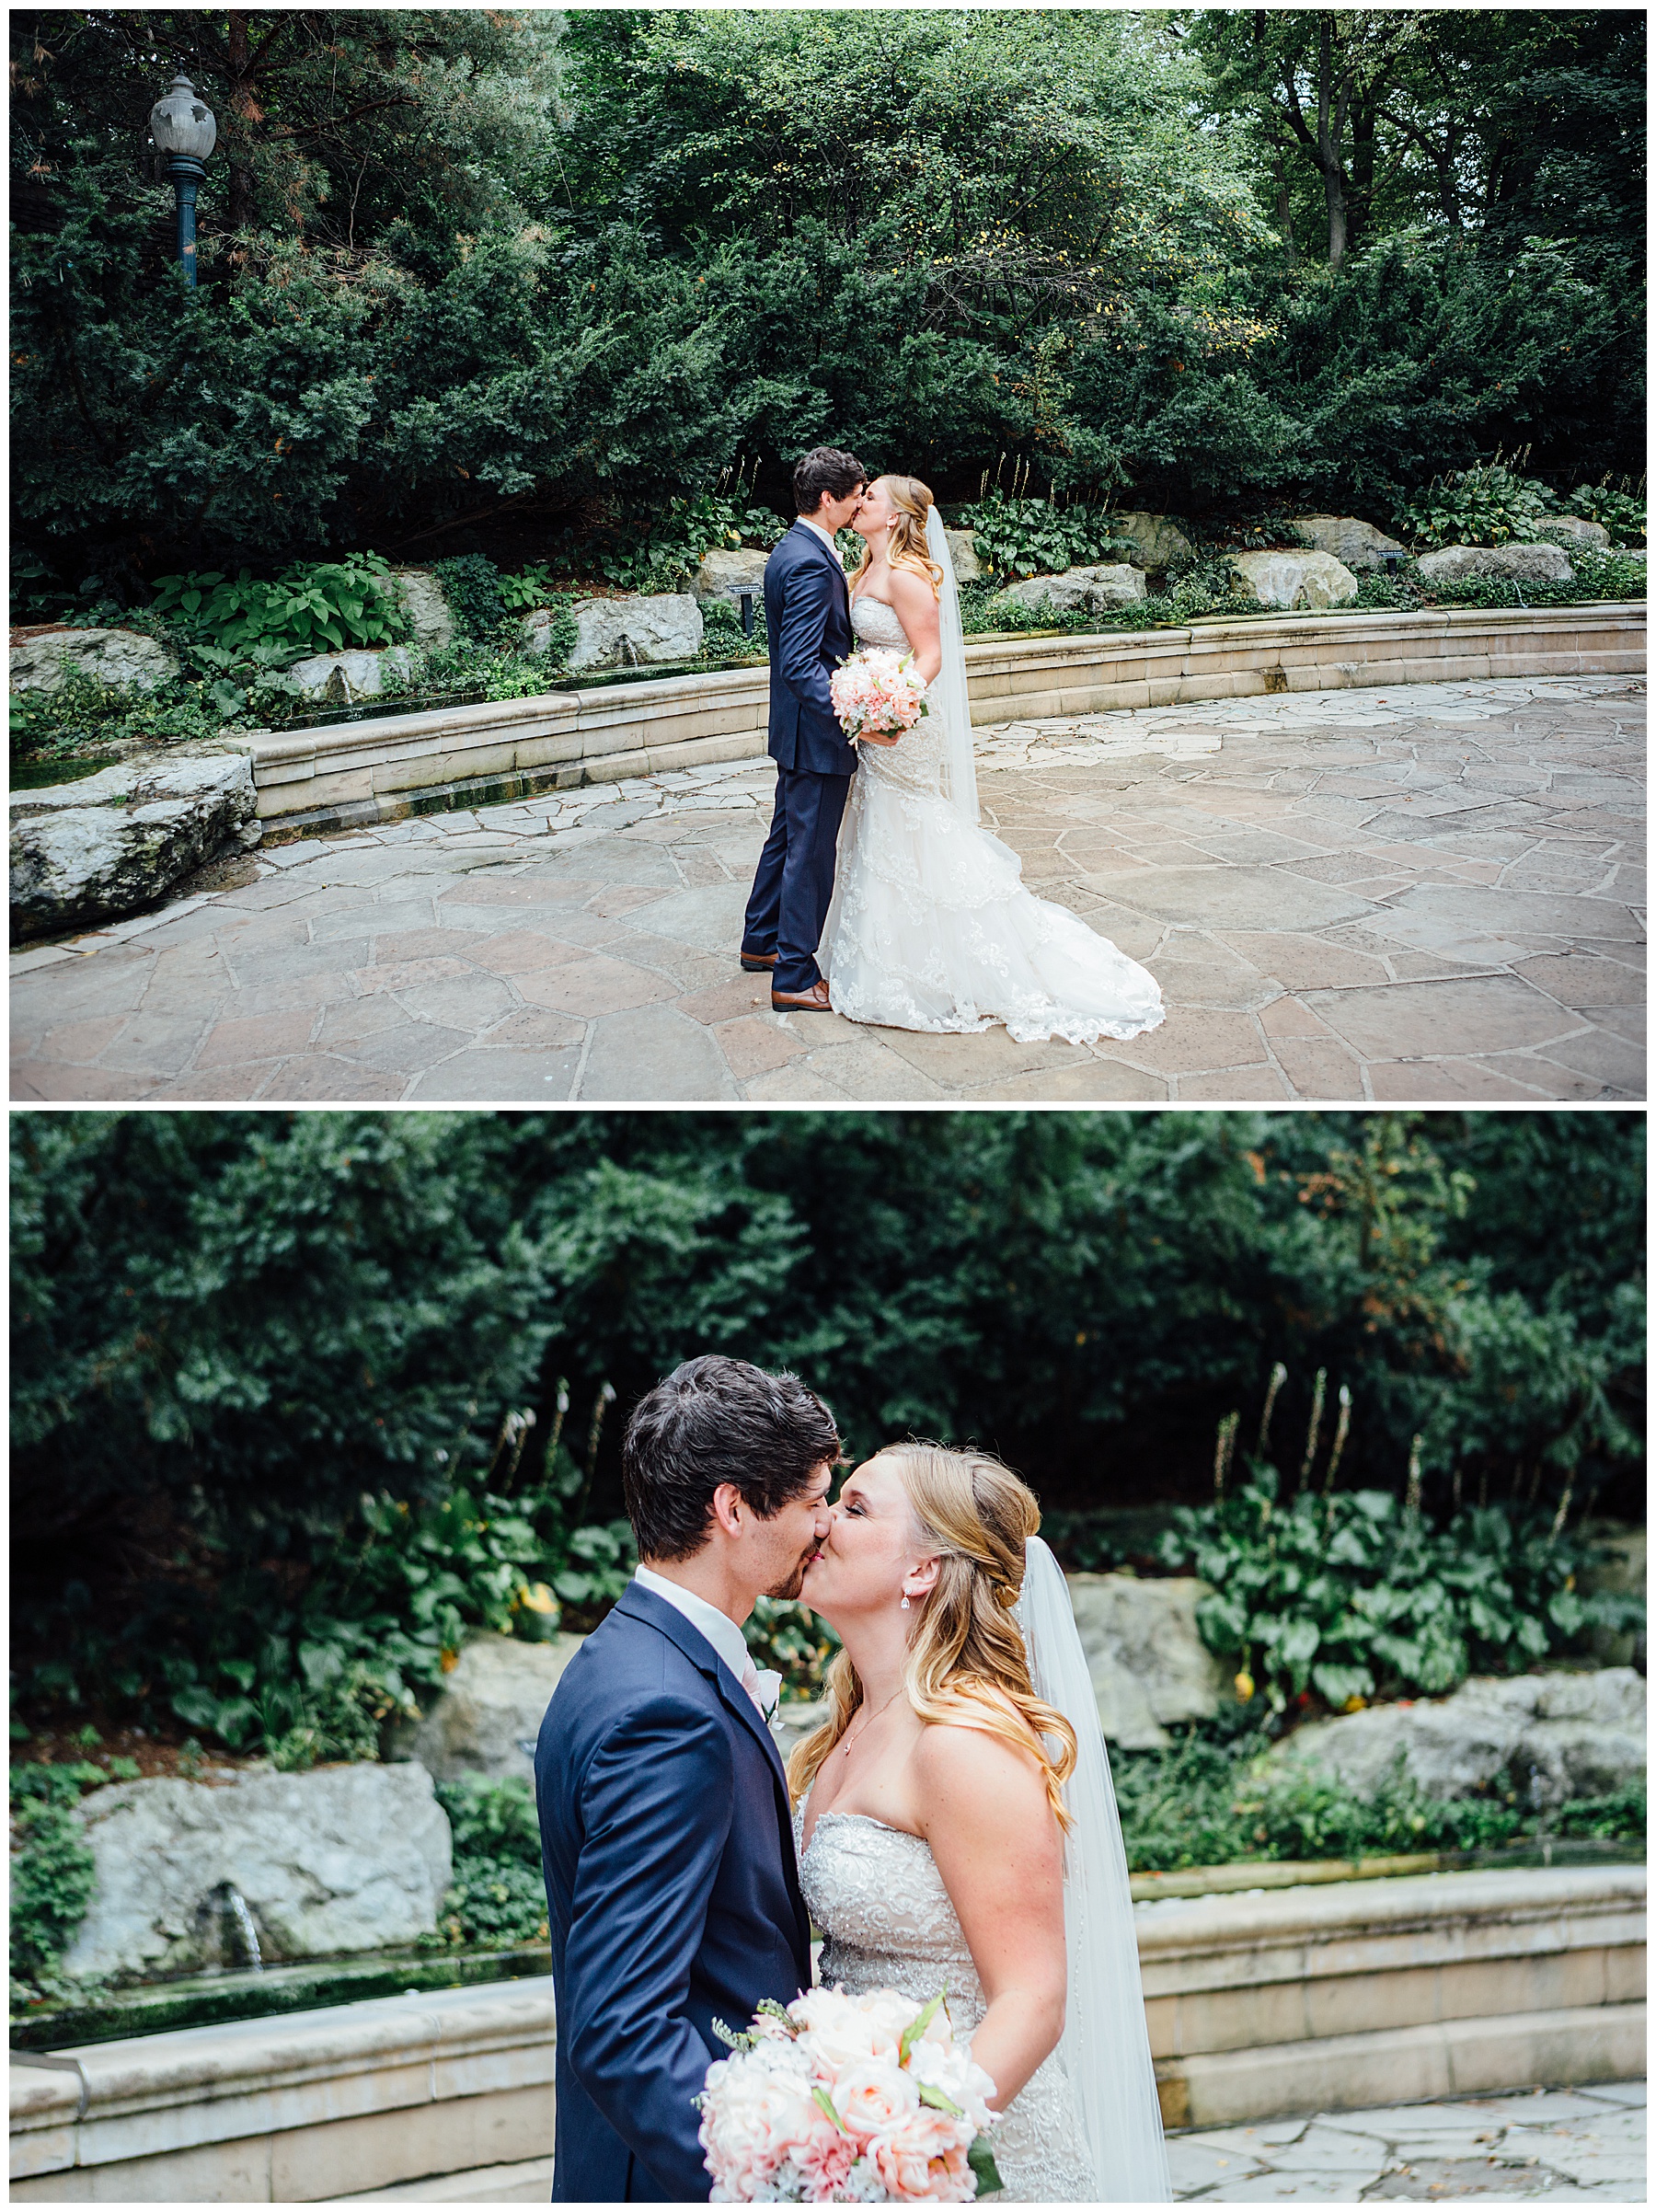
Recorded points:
889,1923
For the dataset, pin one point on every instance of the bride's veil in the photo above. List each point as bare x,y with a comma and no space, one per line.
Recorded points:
1106,2046
949,690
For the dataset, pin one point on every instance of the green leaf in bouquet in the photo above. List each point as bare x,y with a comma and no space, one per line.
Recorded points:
773,2011
930,2095
729,2036
981,2159
820,2096
917,2027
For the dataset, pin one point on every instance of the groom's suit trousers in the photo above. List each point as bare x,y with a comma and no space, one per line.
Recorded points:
794,882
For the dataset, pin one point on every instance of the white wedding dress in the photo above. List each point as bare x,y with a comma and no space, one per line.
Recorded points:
1086,2127
877,1895
930,926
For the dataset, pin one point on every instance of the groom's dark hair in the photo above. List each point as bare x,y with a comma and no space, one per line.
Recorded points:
825,469
714,1420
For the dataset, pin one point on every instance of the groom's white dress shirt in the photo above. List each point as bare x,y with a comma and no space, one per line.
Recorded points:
822,534
762,1683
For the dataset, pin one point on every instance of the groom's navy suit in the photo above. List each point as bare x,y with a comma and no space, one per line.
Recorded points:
807,624
672,1895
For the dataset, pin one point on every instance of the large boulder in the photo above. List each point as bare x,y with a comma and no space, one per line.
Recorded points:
962,552
1356,545
661,625
1150,1668
1159,545
1527,564
429,614
117,842
726,572
489,1712
1573,530
1294,580
1552,1736
1088,590
41,660
344,677
343,1859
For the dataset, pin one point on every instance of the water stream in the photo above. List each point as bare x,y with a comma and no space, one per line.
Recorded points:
250,1934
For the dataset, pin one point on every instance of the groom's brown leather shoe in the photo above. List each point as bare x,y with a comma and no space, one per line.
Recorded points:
756,963
815,1001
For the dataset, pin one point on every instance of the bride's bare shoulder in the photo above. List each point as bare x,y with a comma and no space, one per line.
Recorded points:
961,1759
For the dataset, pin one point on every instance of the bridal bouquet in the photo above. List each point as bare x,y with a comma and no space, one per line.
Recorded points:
878,692
865,2099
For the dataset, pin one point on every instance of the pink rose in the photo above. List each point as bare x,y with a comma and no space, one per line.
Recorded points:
874,2096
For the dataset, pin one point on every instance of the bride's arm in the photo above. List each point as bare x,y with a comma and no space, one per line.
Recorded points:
916,607
984,1809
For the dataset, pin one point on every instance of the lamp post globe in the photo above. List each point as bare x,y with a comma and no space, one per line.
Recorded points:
182,125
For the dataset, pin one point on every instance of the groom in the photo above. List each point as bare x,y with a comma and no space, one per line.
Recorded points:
666,1841
808,625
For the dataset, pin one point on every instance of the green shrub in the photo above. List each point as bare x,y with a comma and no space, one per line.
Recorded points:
1034,537
1213,1798
52,1872
498,1895
496,1903
1621,513
1487,505
471,583
1353,1594
314,606
646,550
83,715
798,1642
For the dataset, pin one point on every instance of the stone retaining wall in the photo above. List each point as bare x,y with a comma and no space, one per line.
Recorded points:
356,774
1302,2000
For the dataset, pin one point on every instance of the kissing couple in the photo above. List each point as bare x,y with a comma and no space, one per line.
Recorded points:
950,1825
875,856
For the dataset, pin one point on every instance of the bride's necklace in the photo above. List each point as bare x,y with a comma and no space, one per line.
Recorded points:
847,1743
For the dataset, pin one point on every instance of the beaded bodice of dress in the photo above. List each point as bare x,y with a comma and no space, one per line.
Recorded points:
915,763
889,1923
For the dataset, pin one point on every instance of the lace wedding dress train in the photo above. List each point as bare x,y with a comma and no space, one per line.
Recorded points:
878,1898
930,926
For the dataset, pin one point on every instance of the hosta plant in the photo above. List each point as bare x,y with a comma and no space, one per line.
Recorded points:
1353,1594
1489,505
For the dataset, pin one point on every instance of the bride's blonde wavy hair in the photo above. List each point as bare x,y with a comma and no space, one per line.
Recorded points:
906,537
967,1663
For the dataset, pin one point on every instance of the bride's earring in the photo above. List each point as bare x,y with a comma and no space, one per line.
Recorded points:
905,1602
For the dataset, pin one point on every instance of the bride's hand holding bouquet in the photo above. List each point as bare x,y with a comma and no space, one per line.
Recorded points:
851,2100
878,695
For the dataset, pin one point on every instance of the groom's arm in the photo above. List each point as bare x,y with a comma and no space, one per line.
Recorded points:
656,1812
807,597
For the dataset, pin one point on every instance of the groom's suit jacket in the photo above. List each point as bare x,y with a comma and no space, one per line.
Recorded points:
807,623
672,1895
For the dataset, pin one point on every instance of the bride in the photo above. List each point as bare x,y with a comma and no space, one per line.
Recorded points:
930,926
955,1820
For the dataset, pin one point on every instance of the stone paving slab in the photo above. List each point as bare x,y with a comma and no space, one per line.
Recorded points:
1545,2147
1431,894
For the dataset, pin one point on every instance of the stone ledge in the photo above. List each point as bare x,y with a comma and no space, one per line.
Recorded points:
382,769
199,2086
1429,1911
1405,2066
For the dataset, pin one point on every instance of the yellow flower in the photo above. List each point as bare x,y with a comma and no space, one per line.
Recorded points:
1245,1687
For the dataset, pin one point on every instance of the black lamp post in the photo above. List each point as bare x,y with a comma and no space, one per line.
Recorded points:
182,125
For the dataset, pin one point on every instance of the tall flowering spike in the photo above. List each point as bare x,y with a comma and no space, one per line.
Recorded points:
1411,1496
1279,1375
1341,1429
1318,1387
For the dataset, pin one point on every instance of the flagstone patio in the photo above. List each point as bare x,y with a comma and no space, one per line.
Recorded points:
1431,893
